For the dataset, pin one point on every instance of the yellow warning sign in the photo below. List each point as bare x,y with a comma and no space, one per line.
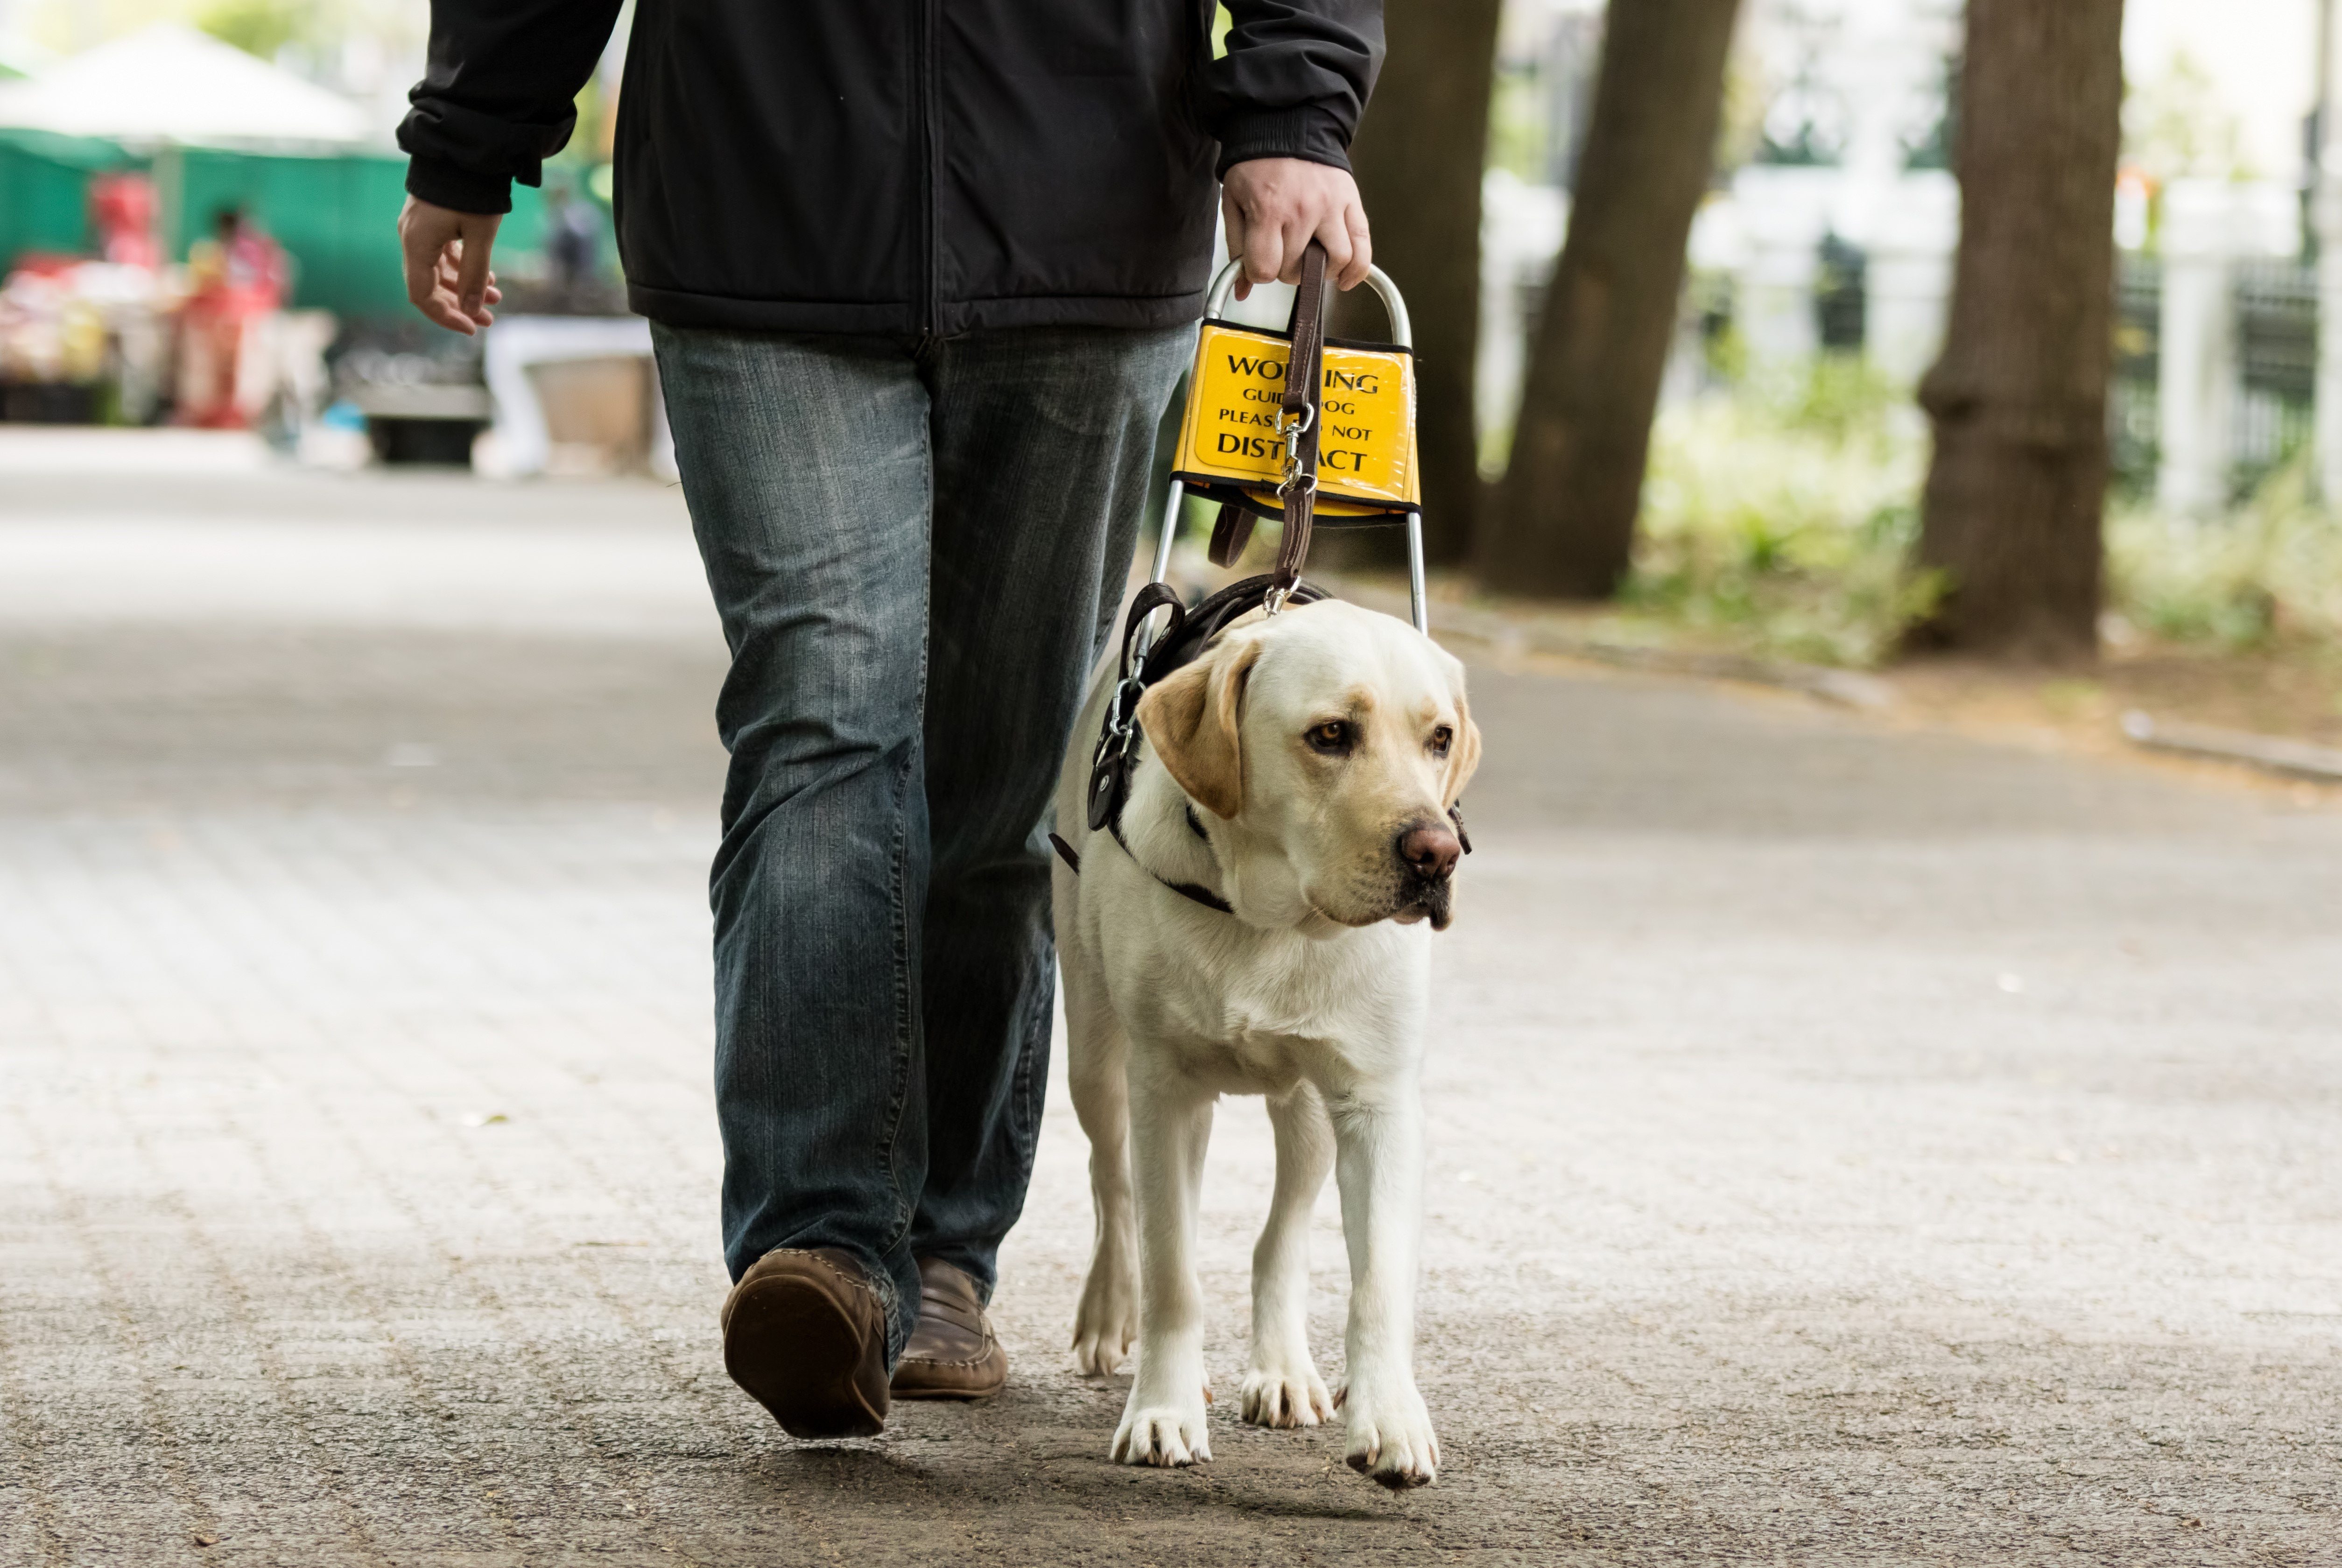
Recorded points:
1365,446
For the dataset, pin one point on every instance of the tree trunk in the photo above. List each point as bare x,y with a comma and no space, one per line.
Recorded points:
2019,399
1419,157
1564,523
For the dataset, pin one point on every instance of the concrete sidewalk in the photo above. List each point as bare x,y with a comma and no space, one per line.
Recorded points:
1848,1145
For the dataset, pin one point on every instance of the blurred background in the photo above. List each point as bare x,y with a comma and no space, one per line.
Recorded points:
196,198
1879,1108
196,202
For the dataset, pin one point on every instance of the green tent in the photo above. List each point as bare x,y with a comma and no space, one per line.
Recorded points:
44,190
336,214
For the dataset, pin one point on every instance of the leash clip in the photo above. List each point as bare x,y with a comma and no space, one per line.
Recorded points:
1274,600
1294,478
1120,737
1122,710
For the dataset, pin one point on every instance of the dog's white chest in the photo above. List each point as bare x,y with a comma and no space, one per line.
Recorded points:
1259,1015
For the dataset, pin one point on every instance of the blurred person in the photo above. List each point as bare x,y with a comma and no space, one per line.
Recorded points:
238,279
921,280
573,244
122,209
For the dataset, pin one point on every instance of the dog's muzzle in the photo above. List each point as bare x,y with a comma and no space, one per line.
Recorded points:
1432,900
1428,852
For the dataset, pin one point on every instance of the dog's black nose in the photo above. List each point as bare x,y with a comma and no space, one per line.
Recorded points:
1431,849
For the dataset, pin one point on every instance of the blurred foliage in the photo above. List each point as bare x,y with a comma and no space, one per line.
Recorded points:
2269,572
1740,126
260,27
1779,520
1517,123
1521,127
2175,126
591,140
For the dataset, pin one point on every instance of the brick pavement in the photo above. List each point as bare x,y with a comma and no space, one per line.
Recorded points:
1849,1146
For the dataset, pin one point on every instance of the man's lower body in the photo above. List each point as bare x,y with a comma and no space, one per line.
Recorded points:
914,550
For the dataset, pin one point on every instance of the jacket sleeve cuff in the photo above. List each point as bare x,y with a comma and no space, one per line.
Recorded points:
457,188
1313,134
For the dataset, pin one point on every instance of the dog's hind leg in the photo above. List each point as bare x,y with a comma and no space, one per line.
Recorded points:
1107,1320
1281,1385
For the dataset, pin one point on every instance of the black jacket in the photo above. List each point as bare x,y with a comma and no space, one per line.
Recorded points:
900,165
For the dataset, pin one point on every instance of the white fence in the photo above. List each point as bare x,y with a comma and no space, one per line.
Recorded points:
2218,337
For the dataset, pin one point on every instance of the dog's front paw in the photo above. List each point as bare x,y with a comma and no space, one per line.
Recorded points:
1290,1396
1162,1433
1391,1441
1106,1322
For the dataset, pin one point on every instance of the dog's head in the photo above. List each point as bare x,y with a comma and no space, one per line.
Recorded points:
1332,741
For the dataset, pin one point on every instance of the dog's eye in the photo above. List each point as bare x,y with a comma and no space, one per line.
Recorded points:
1332,736
1441,739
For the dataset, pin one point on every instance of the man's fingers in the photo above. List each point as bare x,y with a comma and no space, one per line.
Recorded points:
471,274
1299,230
1334,236
439,308
423,262
444,256
437,299
1276,206
1232,221
1361,258
1264,252
1263,256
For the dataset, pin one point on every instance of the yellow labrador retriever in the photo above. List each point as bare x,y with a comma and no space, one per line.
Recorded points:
1300,772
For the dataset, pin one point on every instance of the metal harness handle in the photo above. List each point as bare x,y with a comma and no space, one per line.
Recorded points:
1234,525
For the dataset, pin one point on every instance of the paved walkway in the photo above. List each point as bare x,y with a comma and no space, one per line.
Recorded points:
1849,1147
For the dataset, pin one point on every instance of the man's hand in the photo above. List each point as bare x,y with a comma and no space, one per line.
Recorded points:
1276,206
446,253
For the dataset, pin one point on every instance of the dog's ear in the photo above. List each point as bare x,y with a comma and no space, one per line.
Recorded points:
1191,718
1464,756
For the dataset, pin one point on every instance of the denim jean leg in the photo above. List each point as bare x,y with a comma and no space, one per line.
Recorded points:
1044,442
807,465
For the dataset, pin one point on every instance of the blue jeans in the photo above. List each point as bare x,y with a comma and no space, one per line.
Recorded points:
916,549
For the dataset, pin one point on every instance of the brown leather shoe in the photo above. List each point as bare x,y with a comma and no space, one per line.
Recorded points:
953,1353
805,1335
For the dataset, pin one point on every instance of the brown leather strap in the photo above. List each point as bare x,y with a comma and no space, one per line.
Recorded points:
1117,746
1230,535
1301,401
1309,329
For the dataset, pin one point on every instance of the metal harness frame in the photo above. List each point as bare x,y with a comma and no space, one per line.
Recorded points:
1402,334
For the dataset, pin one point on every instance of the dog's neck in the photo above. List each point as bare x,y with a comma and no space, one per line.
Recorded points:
1160,823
